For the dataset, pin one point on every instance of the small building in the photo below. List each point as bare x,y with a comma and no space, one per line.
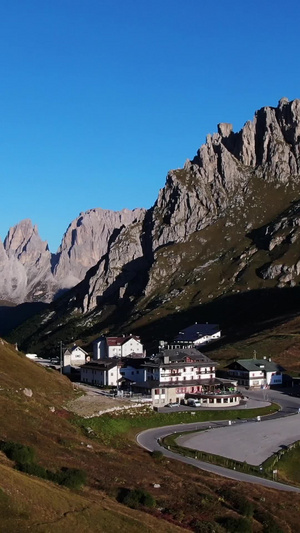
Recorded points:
198,334
102,373
255,372
106,347
74,357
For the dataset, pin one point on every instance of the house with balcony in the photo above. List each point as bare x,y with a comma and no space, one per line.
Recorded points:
176,374
125,346
255,372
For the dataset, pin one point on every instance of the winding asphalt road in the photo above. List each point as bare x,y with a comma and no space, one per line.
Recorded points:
150,439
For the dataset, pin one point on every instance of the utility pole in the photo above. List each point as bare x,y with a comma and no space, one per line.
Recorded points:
61,356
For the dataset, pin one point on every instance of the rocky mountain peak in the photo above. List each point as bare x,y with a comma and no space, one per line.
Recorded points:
32,273
23,239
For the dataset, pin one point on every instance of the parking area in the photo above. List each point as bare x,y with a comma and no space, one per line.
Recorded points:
252,442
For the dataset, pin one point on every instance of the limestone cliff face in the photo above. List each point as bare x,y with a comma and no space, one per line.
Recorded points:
218,176
13,279
29,272
117,269
26,265
87,239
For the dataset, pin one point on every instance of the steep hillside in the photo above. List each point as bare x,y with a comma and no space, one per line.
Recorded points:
186,498
31,504
224,229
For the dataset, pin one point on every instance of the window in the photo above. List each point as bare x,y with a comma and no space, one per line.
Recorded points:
156,391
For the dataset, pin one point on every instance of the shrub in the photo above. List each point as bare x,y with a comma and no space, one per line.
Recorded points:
24,456
202,526
268,522
17,452
236,525
239,502
157,455
73,478
135,498
33,469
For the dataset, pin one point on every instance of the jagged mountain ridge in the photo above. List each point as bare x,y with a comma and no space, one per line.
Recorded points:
218,180
29,272
208,234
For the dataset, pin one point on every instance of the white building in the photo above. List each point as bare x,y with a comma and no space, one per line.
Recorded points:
180,365
255,372
103,372
73,358
176,374
106,347
198,334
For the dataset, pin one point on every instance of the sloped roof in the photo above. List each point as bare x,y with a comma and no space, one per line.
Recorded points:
253,365
70,350
196,331
103,364
119,341
180,355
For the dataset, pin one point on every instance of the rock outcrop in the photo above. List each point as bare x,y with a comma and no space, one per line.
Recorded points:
87,239
217,177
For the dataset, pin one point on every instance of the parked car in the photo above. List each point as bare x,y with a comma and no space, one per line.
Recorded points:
193,403
172,404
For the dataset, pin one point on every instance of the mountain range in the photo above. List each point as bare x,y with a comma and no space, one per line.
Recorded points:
224,228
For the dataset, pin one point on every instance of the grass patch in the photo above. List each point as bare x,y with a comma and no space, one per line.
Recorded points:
114,429
288,465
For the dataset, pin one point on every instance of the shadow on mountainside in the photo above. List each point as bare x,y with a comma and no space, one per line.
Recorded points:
12,316
239,315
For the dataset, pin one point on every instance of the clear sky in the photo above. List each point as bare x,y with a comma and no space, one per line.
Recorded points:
100,98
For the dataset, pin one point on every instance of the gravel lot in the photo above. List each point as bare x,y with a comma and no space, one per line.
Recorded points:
92,402
252,442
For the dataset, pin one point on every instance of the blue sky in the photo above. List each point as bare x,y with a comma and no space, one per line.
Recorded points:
100,98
